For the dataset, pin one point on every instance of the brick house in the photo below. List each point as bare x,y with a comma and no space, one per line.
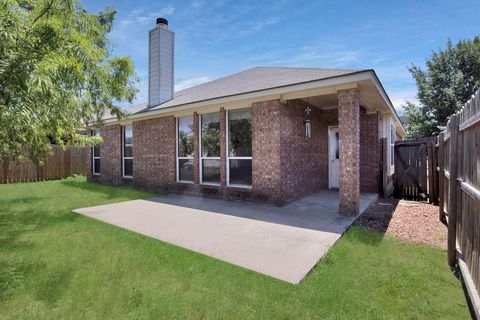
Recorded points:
265,134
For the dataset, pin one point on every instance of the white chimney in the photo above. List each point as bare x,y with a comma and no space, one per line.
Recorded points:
160,64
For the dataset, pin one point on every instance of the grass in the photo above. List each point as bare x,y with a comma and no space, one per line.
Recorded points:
57,264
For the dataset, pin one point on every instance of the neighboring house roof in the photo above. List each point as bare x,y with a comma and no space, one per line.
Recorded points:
403,119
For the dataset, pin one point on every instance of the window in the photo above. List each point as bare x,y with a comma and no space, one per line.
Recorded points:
239,154
210,148
96,155
392,146
185,149
127,151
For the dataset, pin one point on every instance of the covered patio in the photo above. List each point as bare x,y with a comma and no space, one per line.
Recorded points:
343,124
281,242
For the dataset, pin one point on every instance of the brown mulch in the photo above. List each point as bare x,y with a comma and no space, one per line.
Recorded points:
409,220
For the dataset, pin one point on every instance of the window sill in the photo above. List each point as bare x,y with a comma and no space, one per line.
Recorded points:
184,182
210,184
96,174
127,177
239,186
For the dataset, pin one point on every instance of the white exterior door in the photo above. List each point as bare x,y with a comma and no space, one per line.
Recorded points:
333,158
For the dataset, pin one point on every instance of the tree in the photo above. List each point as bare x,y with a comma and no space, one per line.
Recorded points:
449,80
57,75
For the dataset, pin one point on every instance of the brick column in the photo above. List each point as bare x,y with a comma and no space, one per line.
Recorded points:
88,165
196,148
349,129
111,154
266,151
223,149
154,145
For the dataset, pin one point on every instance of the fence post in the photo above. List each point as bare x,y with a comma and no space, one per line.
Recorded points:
430,173
452,191
385,167
441,178
435,172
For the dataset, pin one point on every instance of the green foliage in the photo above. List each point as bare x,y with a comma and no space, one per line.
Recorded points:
240,137
57,75
450,78
186,145
211,139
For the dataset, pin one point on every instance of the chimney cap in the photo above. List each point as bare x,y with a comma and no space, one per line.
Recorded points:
162,21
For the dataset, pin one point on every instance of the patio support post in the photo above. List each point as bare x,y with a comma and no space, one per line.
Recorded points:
196,149
349,129
223,149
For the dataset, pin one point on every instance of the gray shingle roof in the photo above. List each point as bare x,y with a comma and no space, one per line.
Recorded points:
250,80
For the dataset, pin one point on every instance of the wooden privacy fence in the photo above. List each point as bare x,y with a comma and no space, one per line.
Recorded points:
459,184
60,164
415,170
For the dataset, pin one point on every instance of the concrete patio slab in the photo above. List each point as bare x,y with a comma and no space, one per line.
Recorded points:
284,243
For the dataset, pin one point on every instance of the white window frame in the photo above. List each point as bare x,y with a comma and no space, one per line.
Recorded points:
123,151
176,152
228,158
200,165
392,139
96,133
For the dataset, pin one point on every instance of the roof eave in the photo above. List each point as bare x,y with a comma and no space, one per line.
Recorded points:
312,84
387,100
361,75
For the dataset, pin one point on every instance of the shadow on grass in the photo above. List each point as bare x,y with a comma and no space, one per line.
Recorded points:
54,286
107,191
377,217
357,234
13,276
23,215
19,217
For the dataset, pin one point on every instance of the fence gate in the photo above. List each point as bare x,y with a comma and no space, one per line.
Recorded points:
415,170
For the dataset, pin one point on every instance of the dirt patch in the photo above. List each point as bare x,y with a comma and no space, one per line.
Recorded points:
409,220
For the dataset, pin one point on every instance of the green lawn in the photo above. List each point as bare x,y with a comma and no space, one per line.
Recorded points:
56,264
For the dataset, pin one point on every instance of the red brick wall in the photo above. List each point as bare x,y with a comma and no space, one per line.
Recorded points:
369,152
89,165
286,164
349,129
266,151
154,153
196,148
110,156
223,148
303,172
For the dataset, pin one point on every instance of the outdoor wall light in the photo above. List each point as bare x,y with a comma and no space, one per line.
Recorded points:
308,123
308,128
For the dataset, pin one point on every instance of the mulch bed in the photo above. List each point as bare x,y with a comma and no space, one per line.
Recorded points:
409,220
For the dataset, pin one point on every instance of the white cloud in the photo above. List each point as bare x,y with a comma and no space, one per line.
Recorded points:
316,56
168,10
139,17
400,98
197,3
260,25
191,82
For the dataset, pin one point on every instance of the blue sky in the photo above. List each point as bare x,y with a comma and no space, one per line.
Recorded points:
217,38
